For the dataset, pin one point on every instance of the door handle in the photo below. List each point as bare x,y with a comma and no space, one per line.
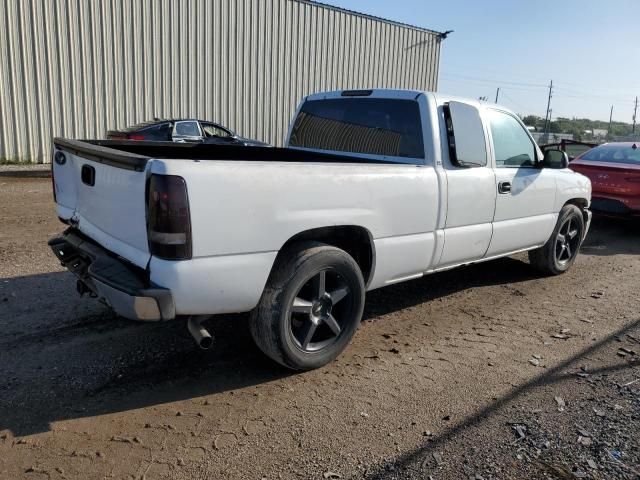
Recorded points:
504,187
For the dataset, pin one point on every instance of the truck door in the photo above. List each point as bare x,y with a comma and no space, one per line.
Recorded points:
524,215
471,185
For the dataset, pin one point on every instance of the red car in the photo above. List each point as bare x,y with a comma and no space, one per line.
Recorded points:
614,171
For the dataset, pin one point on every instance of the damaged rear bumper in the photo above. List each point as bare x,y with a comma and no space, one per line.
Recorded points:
124,287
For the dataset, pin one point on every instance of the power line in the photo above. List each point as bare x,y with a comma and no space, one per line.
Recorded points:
518,105
492,71
618,101
618,89
559,84
565,93
523,90
569,92
488,80
579,94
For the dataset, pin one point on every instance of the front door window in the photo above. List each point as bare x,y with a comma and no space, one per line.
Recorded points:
512,145
186,129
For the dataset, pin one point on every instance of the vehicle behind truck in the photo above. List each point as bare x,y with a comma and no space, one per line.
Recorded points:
374,187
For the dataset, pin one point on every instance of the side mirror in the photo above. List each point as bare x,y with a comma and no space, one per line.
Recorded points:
555,159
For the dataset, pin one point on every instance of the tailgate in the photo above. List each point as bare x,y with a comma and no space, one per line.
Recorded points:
101,191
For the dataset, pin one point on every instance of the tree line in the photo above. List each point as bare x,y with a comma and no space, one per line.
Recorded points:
577,126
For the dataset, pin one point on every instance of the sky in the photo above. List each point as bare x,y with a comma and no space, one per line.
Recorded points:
589,48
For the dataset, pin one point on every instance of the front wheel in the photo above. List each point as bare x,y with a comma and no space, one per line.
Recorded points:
310,308
558,254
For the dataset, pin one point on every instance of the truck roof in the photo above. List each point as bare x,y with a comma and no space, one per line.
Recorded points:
440,98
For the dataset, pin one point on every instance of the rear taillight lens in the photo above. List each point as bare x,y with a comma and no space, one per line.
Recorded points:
168,218
60,159
135,136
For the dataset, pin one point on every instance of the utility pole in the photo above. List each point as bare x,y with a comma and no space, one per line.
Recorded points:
497,93
610,121
635,110
547,119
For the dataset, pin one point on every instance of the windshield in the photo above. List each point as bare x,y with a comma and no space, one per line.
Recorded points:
371,126
211,130
625,153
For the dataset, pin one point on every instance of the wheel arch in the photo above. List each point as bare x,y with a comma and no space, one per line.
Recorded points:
581,203
356,240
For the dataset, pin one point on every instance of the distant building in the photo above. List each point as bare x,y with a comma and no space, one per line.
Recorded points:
79,68
597,133
600,133
541,138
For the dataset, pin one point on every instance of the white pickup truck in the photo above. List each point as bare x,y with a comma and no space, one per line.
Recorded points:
374,187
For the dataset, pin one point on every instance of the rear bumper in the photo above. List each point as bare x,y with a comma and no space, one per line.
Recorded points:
124,287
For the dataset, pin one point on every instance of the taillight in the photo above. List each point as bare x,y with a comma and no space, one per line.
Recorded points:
168,218
60,159
135,136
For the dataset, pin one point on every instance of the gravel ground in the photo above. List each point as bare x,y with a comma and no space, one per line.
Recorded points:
486,372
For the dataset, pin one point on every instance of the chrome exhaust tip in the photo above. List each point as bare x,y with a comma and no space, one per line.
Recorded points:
200,334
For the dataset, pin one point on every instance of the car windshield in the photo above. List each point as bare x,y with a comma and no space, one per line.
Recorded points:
373,126
614,154
211,130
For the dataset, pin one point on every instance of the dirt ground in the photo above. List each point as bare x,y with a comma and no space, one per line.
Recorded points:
486,372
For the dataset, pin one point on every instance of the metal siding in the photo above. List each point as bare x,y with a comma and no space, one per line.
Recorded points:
77,68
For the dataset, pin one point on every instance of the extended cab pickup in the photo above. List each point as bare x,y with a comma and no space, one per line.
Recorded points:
374,187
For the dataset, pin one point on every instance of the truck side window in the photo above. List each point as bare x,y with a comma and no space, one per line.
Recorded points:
511,143
465,132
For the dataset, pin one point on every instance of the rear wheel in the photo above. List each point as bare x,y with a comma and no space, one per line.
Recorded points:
558,254
311,306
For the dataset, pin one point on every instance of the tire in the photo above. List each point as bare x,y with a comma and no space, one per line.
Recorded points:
560,252
310,308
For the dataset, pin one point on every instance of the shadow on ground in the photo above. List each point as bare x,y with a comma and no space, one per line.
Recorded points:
63,358
613,236
414,459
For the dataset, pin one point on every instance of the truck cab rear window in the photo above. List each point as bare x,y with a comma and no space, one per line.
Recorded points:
373,126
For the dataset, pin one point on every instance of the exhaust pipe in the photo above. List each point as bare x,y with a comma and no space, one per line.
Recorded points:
201,335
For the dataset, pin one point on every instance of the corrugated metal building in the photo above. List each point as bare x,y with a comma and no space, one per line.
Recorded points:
76,68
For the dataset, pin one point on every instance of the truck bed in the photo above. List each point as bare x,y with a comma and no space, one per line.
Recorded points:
133,155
